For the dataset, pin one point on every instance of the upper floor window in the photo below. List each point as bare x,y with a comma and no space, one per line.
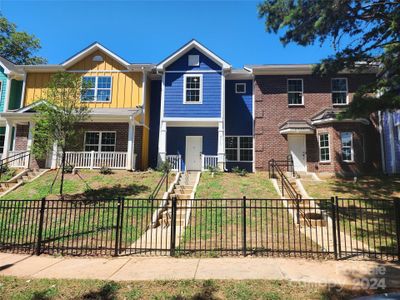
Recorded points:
347,146
324,153
194,60
97,89
192,89
295,91
100,141
240,88
239,148
339,91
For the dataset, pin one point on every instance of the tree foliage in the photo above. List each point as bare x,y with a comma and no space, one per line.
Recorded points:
364,34
59,115
18,47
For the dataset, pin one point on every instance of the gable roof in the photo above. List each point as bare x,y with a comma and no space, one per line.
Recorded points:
9,67
90,49
189,46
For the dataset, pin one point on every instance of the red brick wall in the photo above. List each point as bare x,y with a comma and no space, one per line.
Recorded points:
272,110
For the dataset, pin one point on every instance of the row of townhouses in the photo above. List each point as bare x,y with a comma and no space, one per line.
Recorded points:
195,110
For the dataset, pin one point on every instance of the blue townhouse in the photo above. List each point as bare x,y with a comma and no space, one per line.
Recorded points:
201,112
390,141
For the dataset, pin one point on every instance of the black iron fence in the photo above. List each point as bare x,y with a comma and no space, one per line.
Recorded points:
332,228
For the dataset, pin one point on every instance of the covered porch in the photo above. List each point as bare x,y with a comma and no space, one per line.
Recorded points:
110,138
192,146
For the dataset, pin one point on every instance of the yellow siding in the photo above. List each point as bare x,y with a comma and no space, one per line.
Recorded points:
126,86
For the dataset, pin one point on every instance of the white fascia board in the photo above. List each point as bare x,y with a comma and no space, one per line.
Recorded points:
90,49
184,119
333,120
193,44
296,131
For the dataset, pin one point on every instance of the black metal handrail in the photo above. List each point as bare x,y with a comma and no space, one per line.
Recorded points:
10,159
274,168
160,183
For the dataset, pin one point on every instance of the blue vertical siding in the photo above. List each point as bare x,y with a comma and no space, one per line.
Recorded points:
392,158
155,105
238,109
176,140
3,79
173,103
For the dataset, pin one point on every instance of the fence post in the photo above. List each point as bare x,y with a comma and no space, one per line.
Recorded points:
397,216
244,243
173,226
121,224
117,228
91,159
40,229
333,208
298,198
339,240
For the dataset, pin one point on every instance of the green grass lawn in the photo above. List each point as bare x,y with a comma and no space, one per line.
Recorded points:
90,183
371,222
51,289
217,220
231,185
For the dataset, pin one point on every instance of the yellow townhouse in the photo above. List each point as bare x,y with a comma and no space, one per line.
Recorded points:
117,132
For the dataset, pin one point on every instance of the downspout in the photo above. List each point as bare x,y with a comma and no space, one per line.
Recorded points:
382,142
8,91
23,91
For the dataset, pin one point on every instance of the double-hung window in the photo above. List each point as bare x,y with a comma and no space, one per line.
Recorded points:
295,91
100,141
347,146
2,139
96,89
324,153
192,93
239,148
339,91
240,88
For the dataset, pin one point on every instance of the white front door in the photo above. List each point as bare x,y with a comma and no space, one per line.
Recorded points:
297,148
194,148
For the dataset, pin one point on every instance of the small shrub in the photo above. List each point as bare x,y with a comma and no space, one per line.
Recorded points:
212,169
239,171
6,172
4,169
164,167
68,169
105,170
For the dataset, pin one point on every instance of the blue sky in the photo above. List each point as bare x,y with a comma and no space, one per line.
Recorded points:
148,31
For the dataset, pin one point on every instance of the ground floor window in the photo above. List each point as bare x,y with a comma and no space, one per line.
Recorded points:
347,146
100,141
239,148
2,138
324,155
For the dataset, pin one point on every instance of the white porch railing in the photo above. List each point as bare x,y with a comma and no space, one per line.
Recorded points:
208,161
95,160
175,161
20,162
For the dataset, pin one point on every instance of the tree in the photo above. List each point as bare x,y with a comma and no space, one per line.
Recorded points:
18,46
364,34
58,117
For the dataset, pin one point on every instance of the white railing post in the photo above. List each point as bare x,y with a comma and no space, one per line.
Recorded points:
202,162
179,162
91,160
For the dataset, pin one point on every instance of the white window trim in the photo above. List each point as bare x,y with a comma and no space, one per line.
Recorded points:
329,147
351,147
100,144
302,91
201,89
236,86
95,88
238,148
347,91
198,60
3,134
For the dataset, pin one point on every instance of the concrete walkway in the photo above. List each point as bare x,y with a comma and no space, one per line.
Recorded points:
165,268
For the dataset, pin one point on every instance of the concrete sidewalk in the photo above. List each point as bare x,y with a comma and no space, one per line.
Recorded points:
165,268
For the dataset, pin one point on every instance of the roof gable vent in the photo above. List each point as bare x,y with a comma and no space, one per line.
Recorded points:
98,58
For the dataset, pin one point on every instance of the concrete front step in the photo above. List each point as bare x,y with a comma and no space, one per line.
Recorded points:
183,186
183,191
180,196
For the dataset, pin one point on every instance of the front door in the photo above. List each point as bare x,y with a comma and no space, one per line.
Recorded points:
194,148
297,148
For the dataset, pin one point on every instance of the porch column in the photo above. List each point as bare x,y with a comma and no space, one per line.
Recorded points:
7,138
221,146
162,143
30,141
54,156
130,159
